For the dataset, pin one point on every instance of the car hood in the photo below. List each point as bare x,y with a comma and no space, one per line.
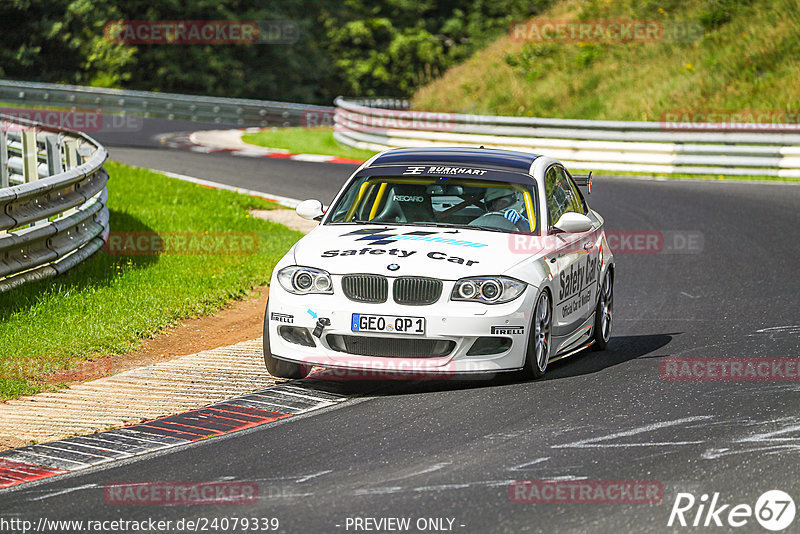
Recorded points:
444,253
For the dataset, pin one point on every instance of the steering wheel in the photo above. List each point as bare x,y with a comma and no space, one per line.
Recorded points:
494,219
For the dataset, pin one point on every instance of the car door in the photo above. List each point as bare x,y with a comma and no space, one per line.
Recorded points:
576,261
591,248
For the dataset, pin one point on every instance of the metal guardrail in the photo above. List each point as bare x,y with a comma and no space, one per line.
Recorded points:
240,111
53,196
657,147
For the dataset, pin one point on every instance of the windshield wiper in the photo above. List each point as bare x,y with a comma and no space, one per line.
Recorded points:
489,228
359,221
441,224
454,225
431,223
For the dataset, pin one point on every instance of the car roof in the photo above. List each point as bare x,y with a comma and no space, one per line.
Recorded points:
506,160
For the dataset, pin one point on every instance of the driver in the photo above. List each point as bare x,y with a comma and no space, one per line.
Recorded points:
509,203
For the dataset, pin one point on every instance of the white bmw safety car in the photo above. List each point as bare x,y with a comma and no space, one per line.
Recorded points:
441,262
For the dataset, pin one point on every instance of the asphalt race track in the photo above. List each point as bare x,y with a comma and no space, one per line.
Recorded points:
139,132
286,178
449,449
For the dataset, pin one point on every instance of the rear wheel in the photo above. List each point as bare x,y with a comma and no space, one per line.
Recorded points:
604,312
539,338
280,368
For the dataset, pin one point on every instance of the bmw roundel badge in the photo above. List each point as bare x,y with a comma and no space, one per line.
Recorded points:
392,266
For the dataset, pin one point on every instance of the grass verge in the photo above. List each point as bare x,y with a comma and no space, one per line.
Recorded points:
110,302
306,141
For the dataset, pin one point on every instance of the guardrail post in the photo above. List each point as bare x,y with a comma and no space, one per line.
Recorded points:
3,159
30,160
71,154
53,148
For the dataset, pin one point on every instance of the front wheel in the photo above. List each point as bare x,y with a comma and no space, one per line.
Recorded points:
538,354
280,368
603,314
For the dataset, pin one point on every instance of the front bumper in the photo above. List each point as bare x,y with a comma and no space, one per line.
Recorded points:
461,323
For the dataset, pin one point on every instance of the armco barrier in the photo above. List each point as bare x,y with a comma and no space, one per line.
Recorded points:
652,147
53,195
239,111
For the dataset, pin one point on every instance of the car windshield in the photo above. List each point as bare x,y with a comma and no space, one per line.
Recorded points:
480,204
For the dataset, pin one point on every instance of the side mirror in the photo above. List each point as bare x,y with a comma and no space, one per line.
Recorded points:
310,209
584,180
574,223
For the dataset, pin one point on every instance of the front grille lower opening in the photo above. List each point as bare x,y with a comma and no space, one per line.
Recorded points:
390,347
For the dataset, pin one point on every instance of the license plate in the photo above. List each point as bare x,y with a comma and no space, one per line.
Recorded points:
388,323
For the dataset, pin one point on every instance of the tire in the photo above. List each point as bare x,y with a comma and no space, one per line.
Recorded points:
280,368
604,313
538,354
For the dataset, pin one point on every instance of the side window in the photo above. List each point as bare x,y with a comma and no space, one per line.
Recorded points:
560,198
577,199
344,204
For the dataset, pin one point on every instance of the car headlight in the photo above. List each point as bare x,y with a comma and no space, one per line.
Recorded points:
305,280
488,289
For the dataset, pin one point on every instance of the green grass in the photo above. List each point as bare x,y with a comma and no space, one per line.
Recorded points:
306,141
109,303
743,58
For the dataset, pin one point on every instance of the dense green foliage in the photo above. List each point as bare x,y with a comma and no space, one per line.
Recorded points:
355,47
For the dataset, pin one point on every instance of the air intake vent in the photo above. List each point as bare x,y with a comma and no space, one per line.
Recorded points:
365,287
417,291
391,347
